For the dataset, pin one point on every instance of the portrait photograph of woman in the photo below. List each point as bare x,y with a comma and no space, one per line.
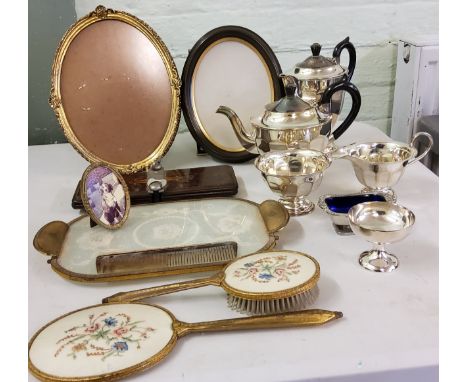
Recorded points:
105,196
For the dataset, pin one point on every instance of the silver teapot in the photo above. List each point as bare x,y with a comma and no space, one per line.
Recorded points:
291,122
317,73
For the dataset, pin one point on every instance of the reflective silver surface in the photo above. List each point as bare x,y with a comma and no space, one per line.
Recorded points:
318,66
314,75
289,123
290,111
340,221
261,139
311,90
380,223
379,166
293,174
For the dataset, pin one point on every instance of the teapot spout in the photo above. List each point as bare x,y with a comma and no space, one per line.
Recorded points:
246,139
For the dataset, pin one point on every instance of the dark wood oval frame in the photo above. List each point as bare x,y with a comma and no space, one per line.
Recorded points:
194,55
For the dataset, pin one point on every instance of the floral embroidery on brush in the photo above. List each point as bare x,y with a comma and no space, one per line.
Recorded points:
269,268
103,336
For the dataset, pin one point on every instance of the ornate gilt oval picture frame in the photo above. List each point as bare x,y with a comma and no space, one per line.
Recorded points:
115,90
105,196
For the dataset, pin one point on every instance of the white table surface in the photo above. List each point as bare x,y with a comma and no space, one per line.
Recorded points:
389,330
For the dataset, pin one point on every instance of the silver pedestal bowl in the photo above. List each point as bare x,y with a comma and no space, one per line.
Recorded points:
294,174
380,223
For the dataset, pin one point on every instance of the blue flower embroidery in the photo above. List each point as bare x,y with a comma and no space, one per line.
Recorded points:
120,346
266,276
110,321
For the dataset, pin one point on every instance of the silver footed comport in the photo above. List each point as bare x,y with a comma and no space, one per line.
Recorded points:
380,223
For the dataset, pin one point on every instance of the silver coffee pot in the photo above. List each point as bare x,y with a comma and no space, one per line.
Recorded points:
317,73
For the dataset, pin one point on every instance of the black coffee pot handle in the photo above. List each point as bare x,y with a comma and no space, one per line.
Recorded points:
353,91
345,44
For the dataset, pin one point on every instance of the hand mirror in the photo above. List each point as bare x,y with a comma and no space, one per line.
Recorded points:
112,341
115,90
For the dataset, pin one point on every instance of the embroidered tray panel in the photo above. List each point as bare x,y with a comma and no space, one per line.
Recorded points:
166,225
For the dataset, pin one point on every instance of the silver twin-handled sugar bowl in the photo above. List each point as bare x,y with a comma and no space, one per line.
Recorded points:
290,123
318,73
380,165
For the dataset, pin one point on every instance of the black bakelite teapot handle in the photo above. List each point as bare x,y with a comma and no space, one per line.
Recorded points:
345,44
353,91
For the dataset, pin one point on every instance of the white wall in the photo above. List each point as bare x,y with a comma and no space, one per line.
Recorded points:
290,27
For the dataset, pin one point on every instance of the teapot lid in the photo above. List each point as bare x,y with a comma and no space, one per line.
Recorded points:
291,103
292,111
317,66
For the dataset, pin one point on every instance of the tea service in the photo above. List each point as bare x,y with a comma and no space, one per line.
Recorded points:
295,140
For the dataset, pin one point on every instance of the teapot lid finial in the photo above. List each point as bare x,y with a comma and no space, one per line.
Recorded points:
290,90
291,103
317,66
316,48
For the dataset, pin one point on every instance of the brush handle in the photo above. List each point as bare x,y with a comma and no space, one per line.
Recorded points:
312,317
140,294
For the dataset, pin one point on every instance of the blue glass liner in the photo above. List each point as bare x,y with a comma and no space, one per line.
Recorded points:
342,204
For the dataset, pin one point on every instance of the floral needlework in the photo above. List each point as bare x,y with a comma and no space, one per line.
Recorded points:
269,268
103,336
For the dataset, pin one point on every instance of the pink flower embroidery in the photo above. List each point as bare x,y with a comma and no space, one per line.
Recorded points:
96,336
269,268
92,328
120,331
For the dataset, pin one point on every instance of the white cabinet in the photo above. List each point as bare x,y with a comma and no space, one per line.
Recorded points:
416,85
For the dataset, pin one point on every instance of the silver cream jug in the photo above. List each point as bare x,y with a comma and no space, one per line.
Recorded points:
380,165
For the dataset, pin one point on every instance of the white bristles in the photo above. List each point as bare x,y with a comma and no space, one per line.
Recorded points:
281,305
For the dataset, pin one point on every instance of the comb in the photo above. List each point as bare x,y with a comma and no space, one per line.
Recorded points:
167,259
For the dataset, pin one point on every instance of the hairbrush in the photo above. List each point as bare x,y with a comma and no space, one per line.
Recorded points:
261,283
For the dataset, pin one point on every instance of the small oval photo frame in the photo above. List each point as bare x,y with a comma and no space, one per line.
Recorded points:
105,196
